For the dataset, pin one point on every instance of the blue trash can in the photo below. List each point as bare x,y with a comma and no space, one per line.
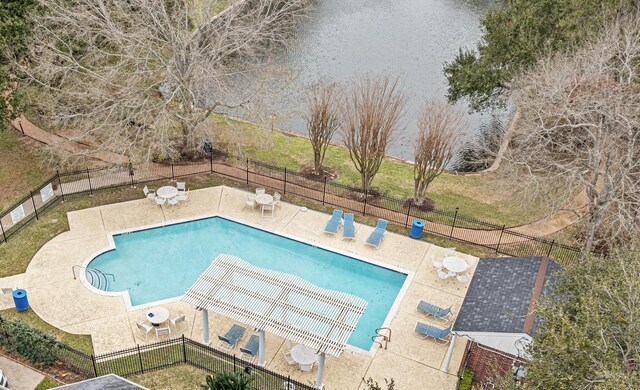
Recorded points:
416,229
20,299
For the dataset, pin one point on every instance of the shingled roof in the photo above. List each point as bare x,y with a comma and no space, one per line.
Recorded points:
503,292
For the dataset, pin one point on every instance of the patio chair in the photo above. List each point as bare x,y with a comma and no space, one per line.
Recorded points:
463,278
276,198
182,197
181,186
436,264
449,251
443,274
250,200
260,191
7,294
442,336
435,311
177,320
173,201
378,233
269,207
250,349
306,367
334,222
160,201
289,358
349,227
145,329
166,331
149,194
231,338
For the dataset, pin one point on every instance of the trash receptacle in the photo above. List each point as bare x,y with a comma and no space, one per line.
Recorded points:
20,299
416,229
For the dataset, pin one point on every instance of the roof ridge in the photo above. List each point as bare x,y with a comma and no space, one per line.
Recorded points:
535,295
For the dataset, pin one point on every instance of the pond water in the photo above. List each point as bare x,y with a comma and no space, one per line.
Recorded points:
344,39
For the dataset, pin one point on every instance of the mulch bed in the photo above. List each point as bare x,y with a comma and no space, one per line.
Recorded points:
57,371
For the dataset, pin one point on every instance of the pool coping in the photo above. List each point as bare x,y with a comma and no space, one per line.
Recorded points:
393,311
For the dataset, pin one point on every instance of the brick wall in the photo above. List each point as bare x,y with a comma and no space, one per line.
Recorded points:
487,363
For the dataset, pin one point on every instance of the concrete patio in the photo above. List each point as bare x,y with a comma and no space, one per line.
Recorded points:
67,304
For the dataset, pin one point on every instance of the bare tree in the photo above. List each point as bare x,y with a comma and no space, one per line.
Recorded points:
323,119
580,127
371,113
440,126
141,76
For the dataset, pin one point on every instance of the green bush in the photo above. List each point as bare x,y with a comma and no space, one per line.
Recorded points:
228,381
467,378
29,342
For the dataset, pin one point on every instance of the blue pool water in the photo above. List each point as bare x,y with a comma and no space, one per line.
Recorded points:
161,263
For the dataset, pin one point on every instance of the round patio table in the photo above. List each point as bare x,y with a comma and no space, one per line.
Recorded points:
264,199
303,354
157,315
167,192
455,264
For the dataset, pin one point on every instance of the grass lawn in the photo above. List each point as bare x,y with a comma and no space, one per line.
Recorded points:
21,167
482,197
80,342
47,383
179,377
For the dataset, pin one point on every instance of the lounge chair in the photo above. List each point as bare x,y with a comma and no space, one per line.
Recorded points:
349,227
334,222
250,349
231,338
378,233
435,311
442,336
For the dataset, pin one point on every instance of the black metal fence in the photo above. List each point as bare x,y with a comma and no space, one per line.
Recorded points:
443,223
161,354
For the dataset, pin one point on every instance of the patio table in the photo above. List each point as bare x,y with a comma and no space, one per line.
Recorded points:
302,354
264,199
157,315
455,264
167,192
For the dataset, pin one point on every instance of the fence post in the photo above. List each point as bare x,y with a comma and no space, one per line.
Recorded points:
247,177
131,173
406,223
173,177
184,350
2,229
366,195
234,362
60,184
284,191
95,369
551,247
453,225
140,359
324,189
500,239
35,209
211,160
89,178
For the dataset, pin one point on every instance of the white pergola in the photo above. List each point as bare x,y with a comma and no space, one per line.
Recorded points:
279,303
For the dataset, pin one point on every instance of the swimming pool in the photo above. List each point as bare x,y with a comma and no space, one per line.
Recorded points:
163,262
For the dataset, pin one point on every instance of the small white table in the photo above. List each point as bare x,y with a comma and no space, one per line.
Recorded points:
167,192
302,354
455,264
157,315
264,199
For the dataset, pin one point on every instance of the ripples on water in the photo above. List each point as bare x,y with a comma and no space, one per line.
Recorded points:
344,39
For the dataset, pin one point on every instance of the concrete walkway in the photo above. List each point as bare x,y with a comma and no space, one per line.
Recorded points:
20,377
67,304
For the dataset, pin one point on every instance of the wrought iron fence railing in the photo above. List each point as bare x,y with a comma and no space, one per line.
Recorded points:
449,224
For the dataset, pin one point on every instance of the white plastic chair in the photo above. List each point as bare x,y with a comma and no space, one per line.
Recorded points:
163,332
160,201
449,251
276,198
149,194
306,367
173,201
250,200
463,278
442,274
145,329
260,191
436,264
269,207
177,320
182,197
289,358
181,186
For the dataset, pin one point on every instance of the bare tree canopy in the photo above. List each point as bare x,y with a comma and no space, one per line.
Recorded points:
323,119
371,113
580,127
141,76
440,127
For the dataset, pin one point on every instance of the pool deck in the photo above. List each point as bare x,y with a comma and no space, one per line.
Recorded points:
66,304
